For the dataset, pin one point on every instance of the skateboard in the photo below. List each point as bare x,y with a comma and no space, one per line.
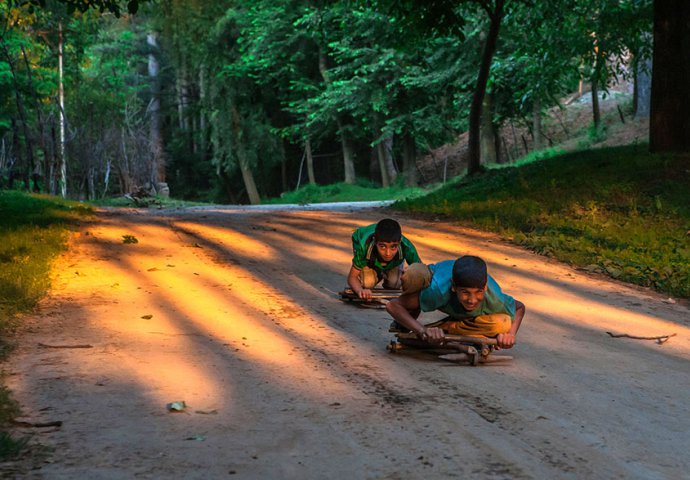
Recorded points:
454,348
380,297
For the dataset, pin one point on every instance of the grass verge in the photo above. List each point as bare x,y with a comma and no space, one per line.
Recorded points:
342,192
621,211
33,231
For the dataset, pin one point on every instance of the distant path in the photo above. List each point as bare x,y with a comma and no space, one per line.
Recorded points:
233,311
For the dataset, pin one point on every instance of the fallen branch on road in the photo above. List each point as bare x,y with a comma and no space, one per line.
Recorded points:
659,339
44,345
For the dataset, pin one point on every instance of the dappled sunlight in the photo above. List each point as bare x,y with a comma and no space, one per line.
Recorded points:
166,374
326,256
233,239
225,308
210,298
424,241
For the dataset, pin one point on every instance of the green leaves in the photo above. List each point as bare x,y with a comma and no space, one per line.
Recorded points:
113,6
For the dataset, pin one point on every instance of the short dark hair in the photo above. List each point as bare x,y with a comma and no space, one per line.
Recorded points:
470,272
388,230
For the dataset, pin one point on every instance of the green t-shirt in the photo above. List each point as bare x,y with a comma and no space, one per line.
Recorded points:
362,240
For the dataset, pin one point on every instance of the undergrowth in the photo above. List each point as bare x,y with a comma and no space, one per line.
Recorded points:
342,192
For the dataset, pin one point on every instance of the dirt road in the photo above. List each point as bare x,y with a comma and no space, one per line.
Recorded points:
233,311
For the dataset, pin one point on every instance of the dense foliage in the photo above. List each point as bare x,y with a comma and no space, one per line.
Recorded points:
228,100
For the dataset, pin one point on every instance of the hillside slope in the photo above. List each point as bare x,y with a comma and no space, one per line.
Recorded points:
566,129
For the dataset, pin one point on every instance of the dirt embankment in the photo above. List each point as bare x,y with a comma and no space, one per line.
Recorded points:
562,127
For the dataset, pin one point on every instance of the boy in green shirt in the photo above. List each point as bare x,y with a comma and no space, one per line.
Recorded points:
379,253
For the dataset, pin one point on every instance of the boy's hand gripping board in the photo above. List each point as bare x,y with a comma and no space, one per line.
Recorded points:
379,297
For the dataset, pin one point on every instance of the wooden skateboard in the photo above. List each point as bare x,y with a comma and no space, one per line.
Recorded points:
454,348
380,297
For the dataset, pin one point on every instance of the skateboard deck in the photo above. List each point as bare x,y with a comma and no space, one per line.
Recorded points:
455,348
380,297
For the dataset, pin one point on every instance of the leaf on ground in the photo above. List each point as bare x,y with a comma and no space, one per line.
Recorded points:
152,269
147,317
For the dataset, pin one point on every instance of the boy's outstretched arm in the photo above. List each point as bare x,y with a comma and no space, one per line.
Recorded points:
405,310
356,285
507,340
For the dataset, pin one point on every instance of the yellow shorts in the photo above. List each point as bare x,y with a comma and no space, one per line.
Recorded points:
481,326
391,278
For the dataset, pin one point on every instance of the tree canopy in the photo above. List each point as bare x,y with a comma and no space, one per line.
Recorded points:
242,90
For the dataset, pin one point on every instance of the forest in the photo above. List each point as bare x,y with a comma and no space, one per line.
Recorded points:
234,101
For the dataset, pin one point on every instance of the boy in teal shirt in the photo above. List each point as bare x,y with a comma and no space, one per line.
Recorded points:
462,289
379,253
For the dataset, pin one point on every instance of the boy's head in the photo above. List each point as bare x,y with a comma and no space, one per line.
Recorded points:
388,230
387,236
469,281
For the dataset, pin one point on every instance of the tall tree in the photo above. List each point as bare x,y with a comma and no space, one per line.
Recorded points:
158,183
670,110
495,10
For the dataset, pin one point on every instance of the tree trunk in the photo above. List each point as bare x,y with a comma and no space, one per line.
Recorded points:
62,182
670,108
240,151
158,184
310,162
642,90
596,111
487,132
409,160
283,168
41,128
348,162
598,65
391,170
28,142
202,111
55,161
181,91
17,154
496,16
536,123
126,183
380,155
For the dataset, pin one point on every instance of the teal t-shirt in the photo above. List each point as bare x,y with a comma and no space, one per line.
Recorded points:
439,296
361,240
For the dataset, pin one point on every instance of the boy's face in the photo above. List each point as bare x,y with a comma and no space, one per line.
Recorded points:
387,250
470,298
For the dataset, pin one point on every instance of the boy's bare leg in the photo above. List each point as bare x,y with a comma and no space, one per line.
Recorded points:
368,277
391,278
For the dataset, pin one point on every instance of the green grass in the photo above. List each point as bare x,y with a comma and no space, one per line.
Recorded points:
33,231
144,202
342,192
619,210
